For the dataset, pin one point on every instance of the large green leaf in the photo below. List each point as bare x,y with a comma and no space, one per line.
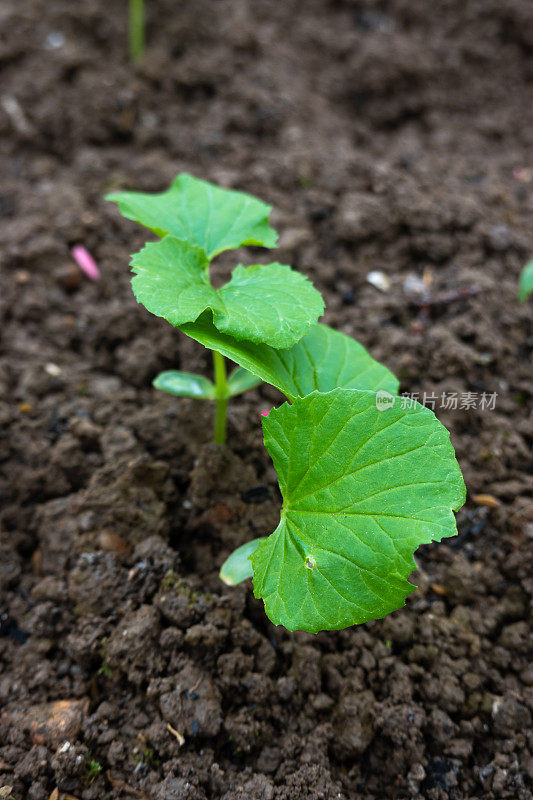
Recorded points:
263,303
362,489
201,213
322,360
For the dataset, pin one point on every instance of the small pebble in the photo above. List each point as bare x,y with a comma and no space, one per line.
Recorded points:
54,40
348,298
22,276
379,280
413,285
52,369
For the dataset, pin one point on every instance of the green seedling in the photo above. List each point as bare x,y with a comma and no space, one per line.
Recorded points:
148,759
365,476
136,30
105,669
270,305
525,285
92,770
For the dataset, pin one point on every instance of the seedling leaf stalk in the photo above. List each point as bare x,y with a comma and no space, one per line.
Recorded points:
363,484
525,286
136,30
221,396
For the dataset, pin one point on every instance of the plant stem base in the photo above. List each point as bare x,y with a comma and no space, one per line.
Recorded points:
221,389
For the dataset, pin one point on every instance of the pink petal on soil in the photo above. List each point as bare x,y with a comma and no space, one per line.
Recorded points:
85,262
266,412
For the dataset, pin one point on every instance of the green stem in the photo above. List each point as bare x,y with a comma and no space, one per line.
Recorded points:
221,397
136,30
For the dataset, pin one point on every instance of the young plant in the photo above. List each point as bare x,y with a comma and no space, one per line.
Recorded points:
92,770
261,305
136,30
525,285
366,476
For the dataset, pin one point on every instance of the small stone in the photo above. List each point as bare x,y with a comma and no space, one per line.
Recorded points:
53,723
22,276
348,298
414,286
54,40
52,369
113,543
379,280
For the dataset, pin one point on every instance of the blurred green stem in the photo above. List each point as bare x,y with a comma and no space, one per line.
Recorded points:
221,394
136,30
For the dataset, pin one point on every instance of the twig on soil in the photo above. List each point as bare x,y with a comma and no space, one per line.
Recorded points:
179,736
443,298
17,117
487,500
57,795
122,786
196,685
425,301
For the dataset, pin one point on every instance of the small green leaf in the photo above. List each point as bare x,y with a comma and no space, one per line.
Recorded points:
201,213
172,280
322,360
238,567
525,286
269,303
241,381
272,304
362,489
185,384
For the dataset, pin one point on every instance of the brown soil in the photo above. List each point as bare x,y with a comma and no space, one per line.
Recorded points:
390,135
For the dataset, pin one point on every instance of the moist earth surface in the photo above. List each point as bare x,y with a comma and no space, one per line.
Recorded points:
392,137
